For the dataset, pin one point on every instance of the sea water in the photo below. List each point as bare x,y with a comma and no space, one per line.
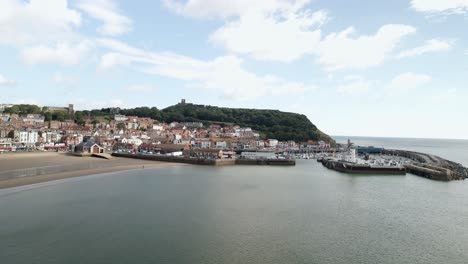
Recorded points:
238,214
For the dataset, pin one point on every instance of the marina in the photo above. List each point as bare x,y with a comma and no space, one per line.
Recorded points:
378,160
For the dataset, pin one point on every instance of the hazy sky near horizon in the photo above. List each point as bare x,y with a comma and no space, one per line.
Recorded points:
370,68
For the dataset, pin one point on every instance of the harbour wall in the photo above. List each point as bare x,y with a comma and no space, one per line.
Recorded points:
278,162
362,169
210,162
431,166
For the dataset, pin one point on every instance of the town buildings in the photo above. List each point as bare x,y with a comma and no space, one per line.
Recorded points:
132,133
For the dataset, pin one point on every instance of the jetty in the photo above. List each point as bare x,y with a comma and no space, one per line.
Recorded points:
355,168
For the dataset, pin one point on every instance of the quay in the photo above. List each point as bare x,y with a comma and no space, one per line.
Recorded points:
355,168
421,164
206,161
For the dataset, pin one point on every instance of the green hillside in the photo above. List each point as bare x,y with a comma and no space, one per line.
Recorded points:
271,123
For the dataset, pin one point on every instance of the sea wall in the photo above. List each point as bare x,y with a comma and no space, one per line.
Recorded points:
434,173
194,161
431,166
278,162
202,161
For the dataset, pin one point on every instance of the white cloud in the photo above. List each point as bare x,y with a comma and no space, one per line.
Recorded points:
140,88
224,74
284,37
6,82
440,6
343,51
432,45
277,30
227,75
63,53
409,80
108,12
229,8
354,85
26,22
44,31
286,30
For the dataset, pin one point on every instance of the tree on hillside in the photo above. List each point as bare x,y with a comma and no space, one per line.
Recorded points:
121,126
59,116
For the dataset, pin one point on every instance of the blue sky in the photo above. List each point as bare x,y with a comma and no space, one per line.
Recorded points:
370,68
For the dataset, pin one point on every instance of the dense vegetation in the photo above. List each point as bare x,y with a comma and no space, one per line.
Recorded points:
270,123
26,109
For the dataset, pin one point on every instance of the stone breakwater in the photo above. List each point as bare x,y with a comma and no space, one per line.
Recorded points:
431,166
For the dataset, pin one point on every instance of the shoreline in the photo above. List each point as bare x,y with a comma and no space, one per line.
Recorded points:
16,163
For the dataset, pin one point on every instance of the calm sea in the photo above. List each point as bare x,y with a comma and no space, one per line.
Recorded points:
188,214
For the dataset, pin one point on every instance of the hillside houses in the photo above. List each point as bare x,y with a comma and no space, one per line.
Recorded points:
133,133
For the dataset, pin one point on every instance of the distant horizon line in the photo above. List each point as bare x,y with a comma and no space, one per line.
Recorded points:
399,137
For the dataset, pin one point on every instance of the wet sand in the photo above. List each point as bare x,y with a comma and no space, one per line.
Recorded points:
62,166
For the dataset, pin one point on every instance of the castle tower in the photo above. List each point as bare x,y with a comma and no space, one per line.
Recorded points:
71,111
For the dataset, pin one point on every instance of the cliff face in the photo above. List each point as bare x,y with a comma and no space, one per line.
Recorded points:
271,123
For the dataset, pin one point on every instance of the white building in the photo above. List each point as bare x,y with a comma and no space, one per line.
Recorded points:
5,144
33,118
51,137
5,106
273,143
120,118
205,144
158,127
260,144
28,137
132,125
242,132
221,145
133,140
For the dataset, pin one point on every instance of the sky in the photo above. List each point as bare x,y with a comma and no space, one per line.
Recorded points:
357,67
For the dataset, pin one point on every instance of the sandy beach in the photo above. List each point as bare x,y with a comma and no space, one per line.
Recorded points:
18,169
